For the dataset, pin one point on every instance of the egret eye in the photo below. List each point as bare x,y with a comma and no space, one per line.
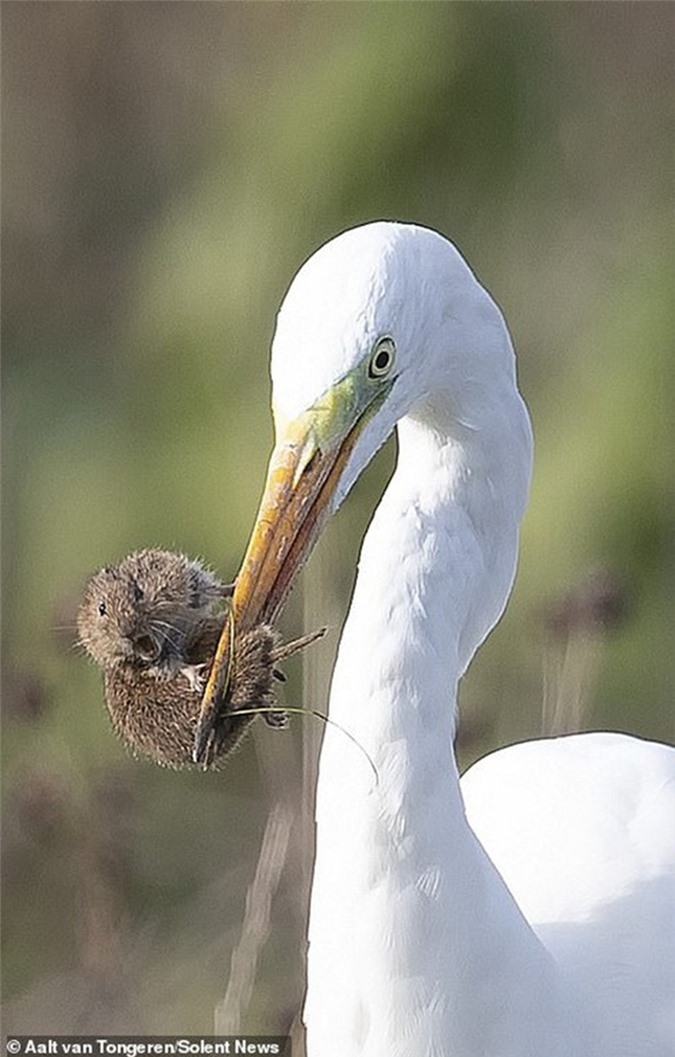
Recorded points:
382,358
101,608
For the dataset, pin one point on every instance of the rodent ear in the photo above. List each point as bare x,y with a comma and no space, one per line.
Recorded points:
195,590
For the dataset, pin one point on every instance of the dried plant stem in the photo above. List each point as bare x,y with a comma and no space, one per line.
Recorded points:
256,925
568,681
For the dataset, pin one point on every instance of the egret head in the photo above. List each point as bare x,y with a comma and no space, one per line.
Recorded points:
385,321
389,311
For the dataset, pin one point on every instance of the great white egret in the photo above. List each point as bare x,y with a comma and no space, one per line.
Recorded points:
528,910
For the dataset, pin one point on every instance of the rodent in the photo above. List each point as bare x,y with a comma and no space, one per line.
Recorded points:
152,623
148,611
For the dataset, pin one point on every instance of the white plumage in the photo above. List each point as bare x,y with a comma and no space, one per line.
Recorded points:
539,921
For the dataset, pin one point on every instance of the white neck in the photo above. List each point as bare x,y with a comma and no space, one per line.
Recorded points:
413,934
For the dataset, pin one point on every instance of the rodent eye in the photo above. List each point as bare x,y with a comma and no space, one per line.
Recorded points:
138,592
101,608
382,358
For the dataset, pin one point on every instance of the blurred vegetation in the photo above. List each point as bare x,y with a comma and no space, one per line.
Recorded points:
166,169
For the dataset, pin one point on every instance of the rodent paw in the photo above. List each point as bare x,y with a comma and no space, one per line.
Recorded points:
195,675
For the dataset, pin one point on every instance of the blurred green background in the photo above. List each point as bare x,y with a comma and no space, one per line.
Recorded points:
167,167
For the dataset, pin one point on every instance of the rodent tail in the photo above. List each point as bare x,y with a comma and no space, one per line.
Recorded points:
289,648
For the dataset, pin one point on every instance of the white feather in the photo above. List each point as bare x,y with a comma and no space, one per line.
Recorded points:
540,922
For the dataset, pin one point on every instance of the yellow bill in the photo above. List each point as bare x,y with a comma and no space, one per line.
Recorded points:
304,471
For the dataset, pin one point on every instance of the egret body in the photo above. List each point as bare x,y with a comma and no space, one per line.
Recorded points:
527,910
